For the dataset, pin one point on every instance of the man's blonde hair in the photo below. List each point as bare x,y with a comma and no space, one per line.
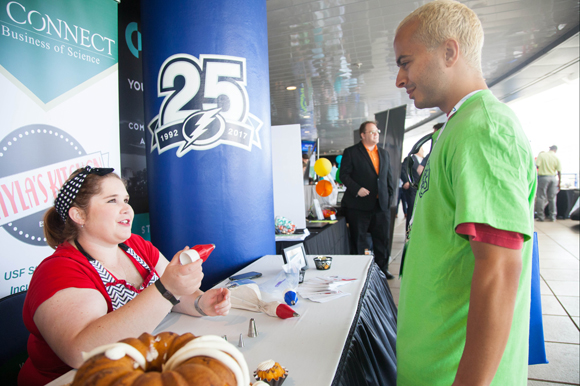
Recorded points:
446,19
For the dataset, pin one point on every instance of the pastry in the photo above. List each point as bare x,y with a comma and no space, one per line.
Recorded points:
271,372
165,359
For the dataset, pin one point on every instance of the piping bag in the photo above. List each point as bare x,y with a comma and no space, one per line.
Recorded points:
248,297
284,284
197,252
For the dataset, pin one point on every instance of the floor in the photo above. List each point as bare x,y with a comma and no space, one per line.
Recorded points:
558,244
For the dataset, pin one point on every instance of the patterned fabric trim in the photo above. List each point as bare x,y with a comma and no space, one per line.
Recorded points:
120,293
131,252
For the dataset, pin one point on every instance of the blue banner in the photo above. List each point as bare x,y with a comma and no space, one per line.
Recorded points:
207,110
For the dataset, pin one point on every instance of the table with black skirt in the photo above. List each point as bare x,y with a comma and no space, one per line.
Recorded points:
332,239
348,341
565,201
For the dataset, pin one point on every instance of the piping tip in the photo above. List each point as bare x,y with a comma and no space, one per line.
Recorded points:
225,337
241,342
296,315
252,331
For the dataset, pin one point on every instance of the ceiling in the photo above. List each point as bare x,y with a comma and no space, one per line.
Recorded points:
339,56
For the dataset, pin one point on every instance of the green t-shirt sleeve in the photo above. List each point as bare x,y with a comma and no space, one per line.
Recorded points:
490,174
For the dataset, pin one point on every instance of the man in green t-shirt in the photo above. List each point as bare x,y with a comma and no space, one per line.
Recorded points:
548,185
464,302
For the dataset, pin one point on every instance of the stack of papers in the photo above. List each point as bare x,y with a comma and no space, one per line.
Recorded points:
300,234
324,289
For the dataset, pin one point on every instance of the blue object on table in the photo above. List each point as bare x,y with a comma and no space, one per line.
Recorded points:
236,283
537,351
290,298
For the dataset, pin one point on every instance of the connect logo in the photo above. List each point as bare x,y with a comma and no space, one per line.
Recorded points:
205,105
129,31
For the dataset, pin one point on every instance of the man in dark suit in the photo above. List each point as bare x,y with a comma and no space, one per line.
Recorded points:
365,171
409,191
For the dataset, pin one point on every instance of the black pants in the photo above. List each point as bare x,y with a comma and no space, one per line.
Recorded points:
375,222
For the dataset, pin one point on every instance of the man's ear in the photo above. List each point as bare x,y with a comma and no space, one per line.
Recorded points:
77,215
451,52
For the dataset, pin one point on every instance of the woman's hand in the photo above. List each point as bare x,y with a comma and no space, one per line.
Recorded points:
216,302
182,280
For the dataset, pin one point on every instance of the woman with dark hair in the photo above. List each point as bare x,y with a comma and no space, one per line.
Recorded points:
102,283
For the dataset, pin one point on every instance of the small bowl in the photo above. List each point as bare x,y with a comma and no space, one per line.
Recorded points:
323,262
328,211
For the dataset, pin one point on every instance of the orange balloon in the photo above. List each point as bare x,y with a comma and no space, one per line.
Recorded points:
323,188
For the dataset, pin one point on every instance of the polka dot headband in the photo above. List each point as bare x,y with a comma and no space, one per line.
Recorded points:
68,192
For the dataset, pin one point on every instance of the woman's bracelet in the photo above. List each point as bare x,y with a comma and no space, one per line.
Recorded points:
197,307
165,292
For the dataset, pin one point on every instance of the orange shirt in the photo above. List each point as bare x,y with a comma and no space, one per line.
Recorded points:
374,154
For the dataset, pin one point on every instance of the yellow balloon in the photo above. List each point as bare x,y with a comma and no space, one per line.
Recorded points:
322,167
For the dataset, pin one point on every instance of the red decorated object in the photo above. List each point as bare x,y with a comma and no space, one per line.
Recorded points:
284,311
204,250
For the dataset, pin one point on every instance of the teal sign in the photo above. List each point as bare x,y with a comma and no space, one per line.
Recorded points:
52,46
141,226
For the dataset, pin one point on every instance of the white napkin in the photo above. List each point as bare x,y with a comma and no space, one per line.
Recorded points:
248,297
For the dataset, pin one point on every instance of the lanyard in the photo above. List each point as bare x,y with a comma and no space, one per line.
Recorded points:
454,110
120,293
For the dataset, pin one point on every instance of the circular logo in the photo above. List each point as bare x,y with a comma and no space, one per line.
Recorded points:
28,148
203,128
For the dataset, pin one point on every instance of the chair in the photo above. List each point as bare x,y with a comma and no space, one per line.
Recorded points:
13,353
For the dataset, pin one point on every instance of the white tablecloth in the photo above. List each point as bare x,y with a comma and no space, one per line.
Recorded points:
309,346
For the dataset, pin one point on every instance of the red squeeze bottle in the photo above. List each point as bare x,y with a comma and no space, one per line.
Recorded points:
204,250
284,312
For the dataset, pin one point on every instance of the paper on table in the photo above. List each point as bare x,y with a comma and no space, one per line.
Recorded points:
323,298
299,234
291,237
324,289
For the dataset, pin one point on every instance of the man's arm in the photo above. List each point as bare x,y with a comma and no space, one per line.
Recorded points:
390,178
421,167
403,173
559,179
346,171
491,306
404,177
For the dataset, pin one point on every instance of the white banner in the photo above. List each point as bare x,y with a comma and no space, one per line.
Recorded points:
58,112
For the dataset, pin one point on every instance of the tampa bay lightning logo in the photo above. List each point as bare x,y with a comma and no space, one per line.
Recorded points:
203,128
205,104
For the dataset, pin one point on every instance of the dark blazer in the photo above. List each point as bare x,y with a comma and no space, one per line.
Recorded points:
416,176
357,171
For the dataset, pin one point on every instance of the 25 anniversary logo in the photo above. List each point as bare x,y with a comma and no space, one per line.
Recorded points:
205,104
